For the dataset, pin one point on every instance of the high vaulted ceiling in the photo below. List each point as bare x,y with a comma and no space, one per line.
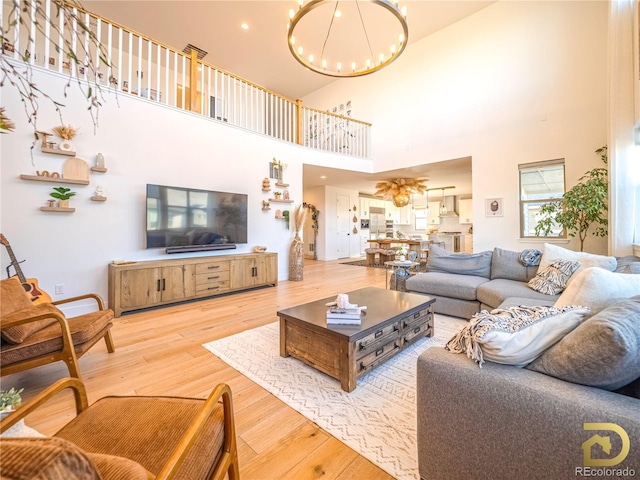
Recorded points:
260,53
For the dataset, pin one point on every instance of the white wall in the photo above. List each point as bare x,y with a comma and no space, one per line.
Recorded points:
517,82
142,143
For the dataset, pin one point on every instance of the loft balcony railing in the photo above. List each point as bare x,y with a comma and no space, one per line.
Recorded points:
138,65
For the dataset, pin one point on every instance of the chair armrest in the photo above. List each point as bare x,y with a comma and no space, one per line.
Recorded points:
31,314
30,406
222,391
94,296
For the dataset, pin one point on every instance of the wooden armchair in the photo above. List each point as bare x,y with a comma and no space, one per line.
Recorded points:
34,335
129,437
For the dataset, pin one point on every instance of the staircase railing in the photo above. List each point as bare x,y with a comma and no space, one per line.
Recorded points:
134,64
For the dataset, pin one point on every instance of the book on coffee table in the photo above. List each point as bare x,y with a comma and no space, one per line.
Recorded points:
344,316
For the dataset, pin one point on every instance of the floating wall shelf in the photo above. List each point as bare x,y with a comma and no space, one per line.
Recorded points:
99,169
56,151
280,184
99,198
58,209
280,201
37,178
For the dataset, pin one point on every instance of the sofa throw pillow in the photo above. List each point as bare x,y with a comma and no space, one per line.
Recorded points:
597,288
14,298
552,280
551,253
515,335
603,352
441,260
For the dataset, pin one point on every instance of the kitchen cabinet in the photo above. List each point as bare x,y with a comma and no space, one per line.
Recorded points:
136,285
403,215
364,243
465,210
468,243
365,204
433,214
390,211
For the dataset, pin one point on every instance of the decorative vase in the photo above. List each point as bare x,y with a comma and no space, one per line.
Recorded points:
403,258
65,145
296,259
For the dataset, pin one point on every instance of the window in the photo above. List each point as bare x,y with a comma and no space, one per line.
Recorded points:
540,183
420,215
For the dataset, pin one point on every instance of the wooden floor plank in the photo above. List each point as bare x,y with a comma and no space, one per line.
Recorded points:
159,352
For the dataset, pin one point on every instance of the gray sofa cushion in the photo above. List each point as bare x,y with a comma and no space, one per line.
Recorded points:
446,284
506,264
603,352
441,260
628,264
497,291
528,302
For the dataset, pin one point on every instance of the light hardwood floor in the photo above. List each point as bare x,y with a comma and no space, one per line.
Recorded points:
159,352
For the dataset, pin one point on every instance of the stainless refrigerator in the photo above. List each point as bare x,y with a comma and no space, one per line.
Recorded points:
377,223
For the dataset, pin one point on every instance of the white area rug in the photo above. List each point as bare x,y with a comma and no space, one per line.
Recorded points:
377,419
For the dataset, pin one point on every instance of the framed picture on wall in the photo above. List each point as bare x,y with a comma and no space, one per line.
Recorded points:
493,207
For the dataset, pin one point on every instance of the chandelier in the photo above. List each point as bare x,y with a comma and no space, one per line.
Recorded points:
332,38
399,190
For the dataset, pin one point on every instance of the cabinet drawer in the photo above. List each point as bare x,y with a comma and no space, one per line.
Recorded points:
219,266
418,331
420,316
378,356
212,287
381,335
211,277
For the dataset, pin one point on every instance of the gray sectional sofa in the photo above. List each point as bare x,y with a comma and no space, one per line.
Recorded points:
501,422
466,284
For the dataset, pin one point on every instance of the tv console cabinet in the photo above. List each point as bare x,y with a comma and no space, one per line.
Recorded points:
137,285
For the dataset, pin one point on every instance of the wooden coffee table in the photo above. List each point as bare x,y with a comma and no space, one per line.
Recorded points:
394,320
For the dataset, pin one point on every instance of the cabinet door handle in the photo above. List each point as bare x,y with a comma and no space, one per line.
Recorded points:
213,267
158,286
213,278
378,334
164,284
213,288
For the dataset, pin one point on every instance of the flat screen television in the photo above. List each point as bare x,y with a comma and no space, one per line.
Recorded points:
188,219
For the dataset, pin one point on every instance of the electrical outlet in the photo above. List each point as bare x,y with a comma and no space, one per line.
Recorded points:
59,288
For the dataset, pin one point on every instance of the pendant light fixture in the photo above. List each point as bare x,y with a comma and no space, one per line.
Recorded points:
348,38
443,207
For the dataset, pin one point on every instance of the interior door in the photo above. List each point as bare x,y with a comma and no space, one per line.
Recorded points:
343,226
308,237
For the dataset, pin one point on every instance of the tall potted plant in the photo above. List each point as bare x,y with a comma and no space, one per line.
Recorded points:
580,208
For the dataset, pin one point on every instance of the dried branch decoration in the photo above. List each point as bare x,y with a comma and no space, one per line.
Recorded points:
66,133
400,189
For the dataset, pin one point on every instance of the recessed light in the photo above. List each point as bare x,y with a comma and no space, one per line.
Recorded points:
245,26
323,176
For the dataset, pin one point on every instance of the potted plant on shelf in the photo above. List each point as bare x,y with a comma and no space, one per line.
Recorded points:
277,195
63,194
